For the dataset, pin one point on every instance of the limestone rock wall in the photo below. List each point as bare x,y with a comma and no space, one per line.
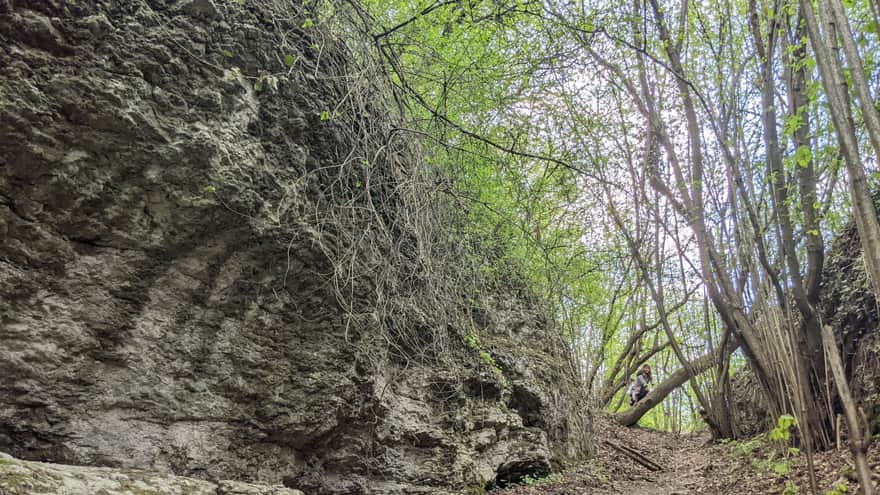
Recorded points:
25,478
749,407
166,291
849,306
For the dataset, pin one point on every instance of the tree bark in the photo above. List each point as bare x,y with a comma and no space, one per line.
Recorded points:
859,438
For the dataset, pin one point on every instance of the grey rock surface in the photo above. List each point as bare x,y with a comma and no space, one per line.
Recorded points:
26,478
849,306
165,302
750,410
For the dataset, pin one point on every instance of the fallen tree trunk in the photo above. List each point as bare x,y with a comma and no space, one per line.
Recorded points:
676,379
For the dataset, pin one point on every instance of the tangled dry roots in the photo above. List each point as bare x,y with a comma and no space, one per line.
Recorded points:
391,239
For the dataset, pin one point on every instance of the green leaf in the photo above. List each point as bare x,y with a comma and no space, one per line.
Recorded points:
803,156
228,53
289,60
308,23
792,124
258,85
786,421
813,90
325,115
781,468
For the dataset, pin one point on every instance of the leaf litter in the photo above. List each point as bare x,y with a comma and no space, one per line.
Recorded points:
692,464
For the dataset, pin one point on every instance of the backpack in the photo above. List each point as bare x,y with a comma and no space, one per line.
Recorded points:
634,391
640,390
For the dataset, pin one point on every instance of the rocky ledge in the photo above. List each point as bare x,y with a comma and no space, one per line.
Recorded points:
25,478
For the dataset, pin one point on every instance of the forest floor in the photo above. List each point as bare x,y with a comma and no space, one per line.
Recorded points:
691,464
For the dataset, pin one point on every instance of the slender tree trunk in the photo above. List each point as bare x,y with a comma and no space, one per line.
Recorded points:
835,86
859,435
857,72
722,392
817,424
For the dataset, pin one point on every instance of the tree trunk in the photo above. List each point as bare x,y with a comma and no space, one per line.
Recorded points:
815,422
859,437
834,83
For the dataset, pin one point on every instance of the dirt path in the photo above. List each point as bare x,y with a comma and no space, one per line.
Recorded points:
687,466
691,466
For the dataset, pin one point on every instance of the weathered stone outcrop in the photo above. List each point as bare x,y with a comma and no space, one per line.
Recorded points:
25,478
750,412
849,306
172,174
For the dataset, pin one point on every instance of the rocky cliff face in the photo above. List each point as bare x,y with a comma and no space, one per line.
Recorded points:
21,478
849,306
209,265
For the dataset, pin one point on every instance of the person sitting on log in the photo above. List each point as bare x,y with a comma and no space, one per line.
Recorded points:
638,388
